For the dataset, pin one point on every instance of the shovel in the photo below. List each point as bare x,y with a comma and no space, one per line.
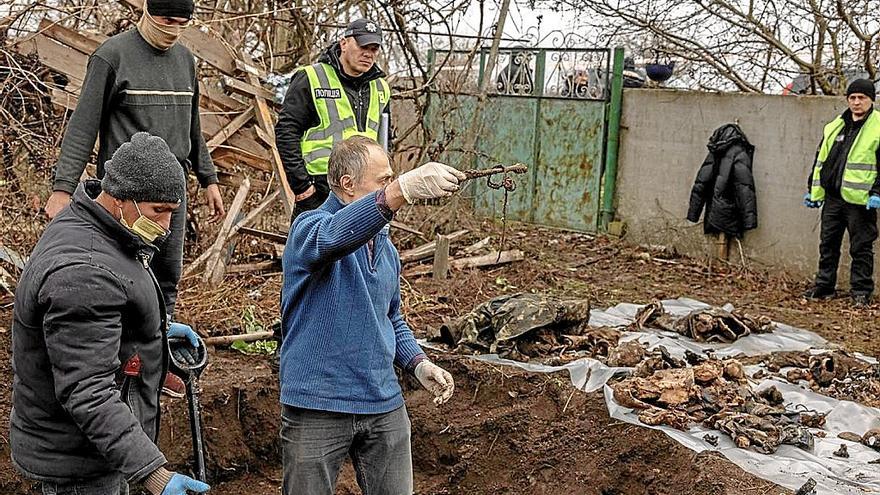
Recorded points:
188,364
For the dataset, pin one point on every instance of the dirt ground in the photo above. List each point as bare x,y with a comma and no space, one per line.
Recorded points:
505,431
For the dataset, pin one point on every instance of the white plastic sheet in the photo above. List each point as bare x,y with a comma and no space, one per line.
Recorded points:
789,466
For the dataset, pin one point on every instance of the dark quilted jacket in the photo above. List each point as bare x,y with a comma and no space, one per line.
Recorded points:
725,185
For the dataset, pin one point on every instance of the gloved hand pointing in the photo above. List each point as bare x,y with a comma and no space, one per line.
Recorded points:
182,353
809,203
431,180
873,203
435,380
182,485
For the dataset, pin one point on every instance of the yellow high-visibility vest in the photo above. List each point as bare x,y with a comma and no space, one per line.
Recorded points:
338,120
861,162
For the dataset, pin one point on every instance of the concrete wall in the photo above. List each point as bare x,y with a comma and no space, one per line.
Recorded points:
663,142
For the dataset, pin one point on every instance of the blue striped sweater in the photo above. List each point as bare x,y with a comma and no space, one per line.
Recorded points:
342,330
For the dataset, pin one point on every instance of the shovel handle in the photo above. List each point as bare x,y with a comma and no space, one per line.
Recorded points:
195,424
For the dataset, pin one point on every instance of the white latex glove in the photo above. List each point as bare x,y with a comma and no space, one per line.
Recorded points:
431,180
435,380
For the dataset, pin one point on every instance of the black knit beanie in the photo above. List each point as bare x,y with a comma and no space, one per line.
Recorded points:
863,86
144,169
171,8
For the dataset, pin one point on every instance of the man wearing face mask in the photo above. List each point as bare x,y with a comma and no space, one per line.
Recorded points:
142,80
89,334
342,95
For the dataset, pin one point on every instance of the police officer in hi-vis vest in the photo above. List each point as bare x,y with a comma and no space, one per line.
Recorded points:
342,95
844,183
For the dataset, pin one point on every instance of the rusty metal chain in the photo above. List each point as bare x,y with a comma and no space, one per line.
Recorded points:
507,183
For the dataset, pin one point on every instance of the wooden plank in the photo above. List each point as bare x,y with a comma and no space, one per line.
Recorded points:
215,269
264,118
261,266
214,97
73,39
406,228
268,128
247,220
426,250
229,129
242,148
264,136
249,68
63,99
230,178
262,234
207,47
234,156
473,248
441,258
7,281
251,89
61,58
12,256
245,337
491,259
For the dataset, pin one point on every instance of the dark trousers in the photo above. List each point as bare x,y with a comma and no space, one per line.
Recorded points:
113,484
315,443
167,265
322,190
838,217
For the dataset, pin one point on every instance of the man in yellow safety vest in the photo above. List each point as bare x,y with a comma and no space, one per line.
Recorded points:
344,94
844,183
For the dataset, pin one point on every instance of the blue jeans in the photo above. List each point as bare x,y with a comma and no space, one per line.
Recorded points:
112,484
315,443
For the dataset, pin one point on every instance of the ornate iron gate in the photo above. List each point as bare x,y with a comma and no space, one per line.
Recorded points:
546,108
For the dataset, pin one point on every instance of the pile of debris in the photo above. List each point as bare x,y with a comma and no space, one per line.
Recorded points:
716,393
237,120
704,325
525,326
836,374
529,326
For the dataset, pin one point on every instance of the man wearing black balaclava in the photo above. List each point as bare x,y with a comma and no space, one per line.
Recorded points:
142,80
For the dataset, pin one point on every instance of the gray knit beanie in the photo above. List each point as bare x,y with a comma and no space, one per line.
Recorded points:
144,169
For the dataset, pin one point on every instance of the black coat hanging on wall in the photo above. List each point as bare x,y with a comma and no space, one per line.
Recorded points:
725,185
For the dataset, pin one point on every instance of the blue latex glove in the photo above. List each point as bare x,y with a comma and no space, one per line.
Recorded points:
873,203
185,331
182,485
809,203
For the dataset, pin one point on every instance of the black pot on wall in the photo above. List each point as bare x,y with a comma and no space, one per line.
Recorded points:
658,72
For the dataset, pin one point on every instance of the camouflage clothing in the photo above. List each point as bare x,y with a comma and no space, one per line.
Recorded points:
503,319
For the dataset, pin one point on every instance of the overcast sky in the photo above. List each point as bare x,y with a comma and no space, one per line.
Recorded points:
521,20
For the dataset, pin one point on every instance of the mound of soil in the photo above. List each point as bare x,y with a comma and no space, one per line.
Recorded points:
505,431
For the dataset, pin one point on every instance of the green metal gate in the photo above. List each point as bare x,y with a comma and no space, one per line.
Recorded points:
547,109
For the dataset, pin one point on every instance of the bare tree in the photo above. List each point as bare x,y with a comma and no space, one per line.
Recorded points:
745,45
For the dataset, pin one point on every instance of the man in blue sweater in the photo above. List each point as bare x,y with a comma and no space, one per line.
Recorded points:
342,330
